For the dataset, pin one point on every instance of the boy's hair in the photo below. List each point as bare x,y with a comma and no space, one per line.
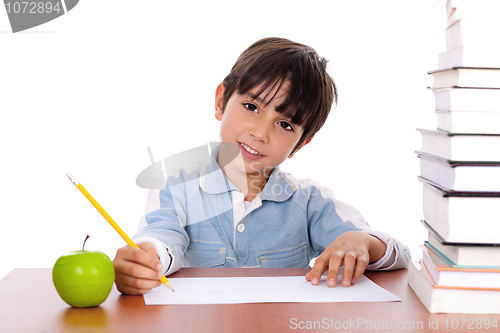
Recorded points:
271,61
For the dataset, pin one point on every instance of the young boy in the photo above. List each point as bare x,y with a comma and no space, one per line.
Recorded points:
240,210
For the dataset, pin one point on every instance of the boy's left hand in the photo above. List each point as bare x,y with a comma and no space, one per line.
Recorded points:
353,249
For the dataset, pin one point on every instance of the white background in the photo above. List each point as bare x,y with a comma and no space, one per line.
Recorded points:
91,90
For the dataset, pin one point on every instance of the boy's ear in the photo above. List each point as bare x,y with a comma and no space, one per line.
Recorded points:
300,147
219,98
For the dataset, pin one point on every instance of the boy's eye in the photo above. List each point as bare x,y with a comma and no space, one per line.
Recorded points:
286,125
250,106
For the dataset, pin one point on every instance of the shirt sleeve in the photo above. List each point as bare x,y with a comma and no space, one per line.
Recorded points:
164,253
164,224
397,255
330,217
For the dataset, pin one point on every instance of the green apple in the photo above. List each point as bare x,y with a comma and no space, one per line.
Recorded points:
83,278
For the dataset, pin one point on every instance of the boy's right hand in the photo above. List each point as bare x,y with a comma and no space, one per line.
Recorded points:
137,271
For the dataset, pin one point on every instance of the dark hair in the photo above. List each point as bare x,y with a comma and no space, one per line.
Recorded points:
271,61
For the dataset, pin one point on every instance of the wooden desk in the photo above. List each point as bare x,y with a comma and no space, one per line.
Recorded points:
30,303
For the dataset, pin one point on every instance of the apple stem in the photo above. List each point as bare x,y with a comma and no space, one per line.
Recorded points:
85,242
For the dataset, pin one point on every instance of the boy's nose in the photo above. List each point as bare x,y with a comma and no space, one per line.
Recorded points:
260,131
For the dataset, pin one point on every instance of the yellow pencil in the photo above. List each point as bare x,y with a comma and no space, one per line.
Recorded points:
110,220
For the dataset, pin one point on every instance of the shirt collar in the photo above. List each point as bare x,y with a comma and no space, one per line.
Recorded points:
213,180
278,187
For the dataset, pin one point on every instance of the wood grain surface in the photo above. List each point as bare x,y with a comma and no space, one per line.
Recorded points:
30,303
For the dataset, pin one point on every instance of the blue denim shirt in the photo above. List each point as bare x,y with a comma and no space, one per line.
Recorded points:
295,220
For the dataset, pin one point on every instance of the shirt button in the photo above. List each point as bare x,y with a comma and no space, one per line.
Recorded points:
241,227
236,199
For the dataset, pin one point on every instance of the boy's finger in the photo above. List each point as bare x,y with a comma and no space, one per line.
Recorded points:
132,286
151,250
334,267
138,283
320,266
148,247
349,263
361,264
136,270
139,256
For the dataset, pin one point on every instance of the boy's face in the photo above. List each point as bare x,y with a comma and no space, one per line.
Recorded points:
264,136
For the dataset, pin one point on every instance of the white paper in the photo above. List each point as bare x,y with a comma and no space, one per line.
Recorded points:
234,290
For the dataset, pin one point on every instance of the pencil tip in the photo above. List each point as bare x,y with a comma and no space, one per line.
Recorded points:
169,286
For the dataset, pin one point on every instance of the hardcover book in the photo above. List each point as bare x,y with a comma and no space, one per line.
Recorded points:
470,147
460,176
466,217
451,300
445,275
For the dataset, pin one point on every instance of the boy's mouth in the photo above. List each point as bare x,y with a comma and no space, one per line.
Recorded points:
250,149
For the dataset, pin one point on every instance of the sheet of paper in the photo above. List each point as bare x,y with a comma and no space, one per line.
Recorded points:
233,290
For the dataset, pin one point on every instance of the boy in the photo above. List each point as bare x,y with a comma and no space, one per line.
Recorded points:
240,210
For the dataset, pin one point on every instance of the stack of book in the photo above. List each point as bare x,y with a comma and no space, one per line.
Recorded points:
460,168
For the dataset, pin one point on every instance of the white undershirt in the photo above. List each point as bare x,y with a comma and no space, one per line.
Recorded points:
242,208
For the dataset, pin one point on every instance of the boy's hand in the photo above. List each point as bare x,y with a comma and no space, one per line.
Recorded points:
137,271
353,249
